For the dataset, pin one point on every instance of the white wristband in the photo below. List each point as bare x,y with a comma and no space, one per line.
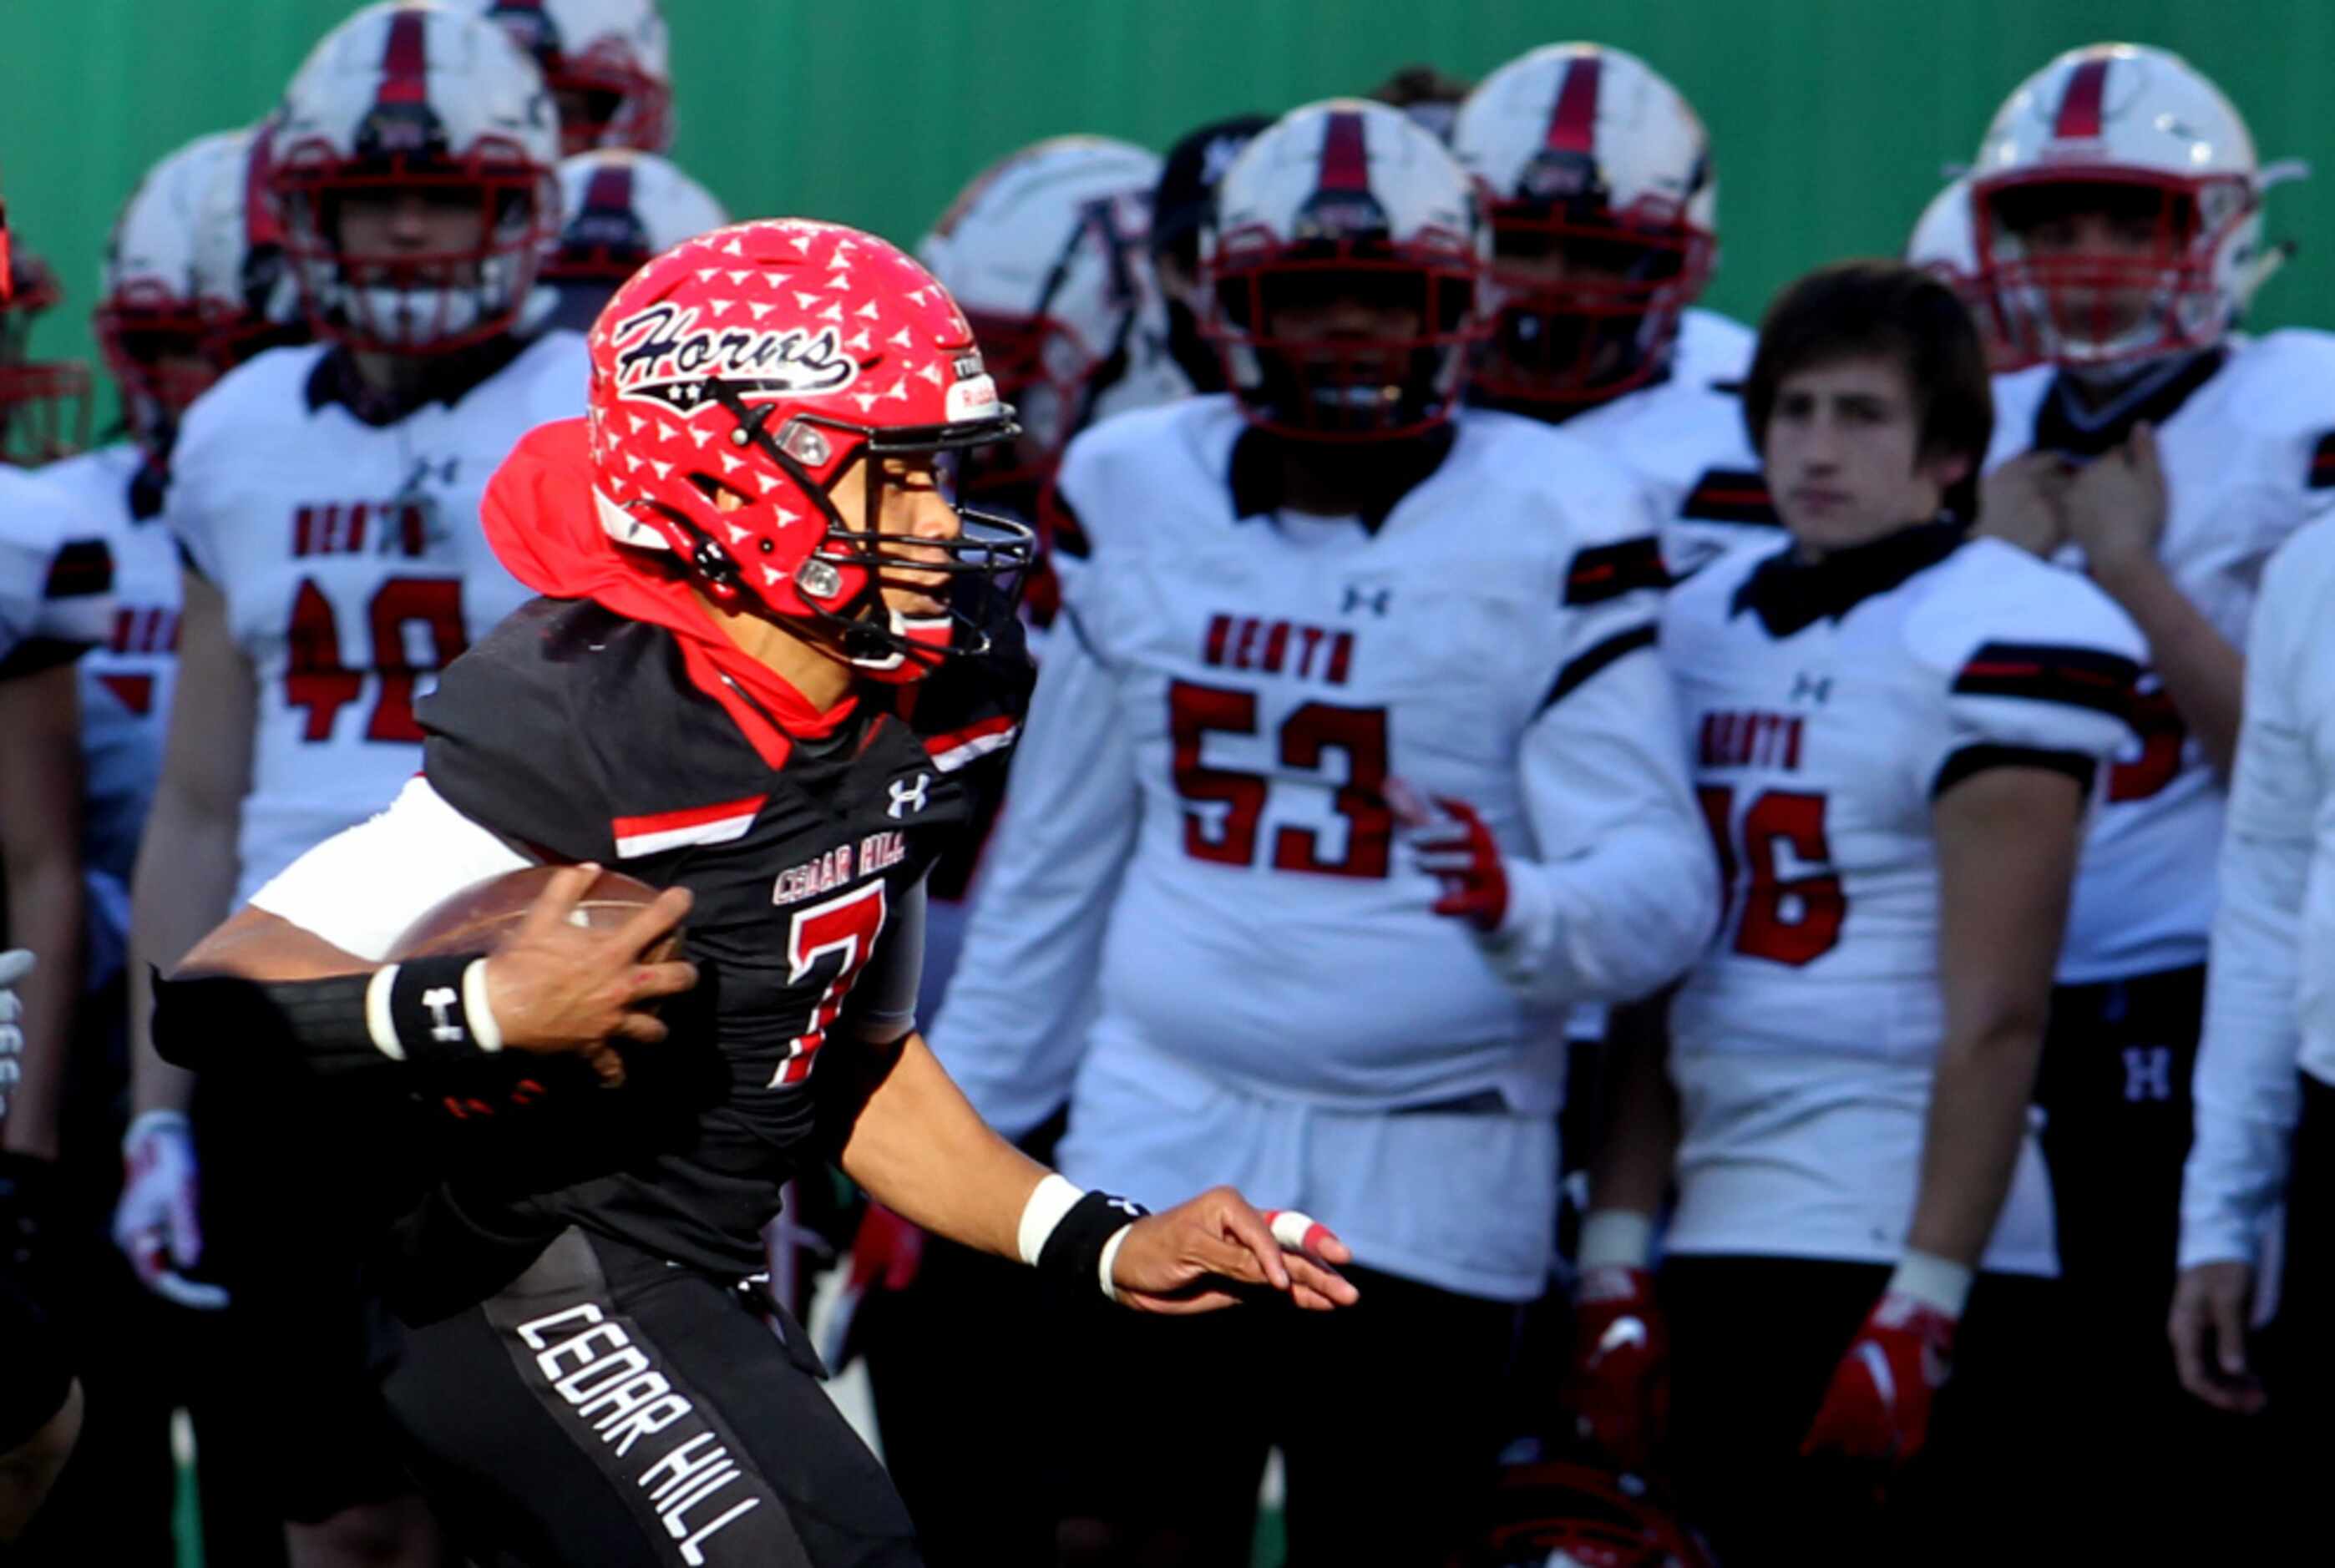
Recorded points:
1110,1257
378,1022
1934,1282
485,1032
1616,1239
1050,1200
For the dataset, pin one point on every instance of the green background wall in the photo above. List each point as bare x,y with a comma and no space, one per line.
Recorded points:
1830,117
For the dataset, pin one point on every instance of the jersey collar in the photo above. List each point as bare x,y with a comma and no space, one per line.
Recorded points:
1788,594
2063,423
449,380
1391,470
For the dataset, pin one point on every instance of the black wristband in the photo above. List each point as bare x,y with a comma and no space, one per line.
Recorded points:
427,1014
224,1022
1073,1252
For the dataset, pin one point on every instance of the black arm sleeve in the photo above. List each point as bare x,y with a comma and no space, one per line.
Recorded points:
225,1023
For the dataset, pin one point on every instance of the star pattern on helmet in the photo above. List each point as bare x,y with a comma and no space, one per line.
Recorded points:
774,306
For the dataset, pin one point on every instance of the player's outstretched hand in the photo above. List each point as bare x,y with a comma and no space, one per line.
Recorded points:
559,987
1215,1249
2211,1305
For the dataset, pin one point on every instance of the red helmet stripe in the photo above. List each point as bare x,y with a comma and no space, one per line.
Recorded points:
2079,106
611,188
404,65
1573,124
1345,164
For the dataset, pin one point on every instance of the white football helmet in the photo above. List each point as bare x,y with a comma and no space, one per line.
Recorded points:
150,323
621,207
411,100
1346,200
1604,221
1942,243
1047,251
2139,132
244,284
604,63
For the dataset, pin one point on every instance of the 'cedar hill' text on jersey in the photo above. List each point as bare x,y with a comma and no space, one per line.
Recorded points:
1827,707
2246,438
353,565
575,734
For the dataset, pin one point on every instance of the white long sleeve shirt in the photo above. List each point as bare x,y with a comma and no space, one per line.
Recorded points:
2270,1000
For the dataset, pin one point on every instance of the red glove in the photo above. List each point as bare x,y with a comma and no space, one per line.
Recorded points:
1452,842
887,1248
1619,1387
1877,1407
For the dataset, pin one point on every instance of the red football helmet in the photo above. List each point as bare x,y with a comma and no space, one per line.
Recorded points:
1564,1516
762,361
44,403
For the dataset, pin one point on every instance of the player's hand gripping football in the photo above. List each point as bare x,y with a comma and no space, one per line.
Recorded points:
1211,1251
557,986
1618,1387
1877,1407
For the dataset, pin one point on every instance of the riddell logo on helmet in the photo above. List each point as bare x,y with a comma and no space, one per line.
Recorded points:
664,356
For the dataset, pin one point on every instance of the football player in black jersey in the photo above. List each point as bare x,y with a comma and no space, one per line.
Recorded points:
750,555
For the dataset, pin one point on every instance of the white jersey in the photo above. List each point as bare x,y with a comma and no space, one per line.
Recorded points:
2248,458
353,568
2270,998
1803,1044
1683,439
56,575
1197,825
126,680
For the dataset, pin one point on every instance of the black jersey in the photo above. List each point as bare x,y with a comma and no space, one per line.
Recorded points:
578,733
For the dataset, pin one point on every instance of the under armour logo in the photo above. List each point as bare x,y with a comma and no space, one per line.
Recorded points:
908,796
440,1000
1128,1207
1375,601
1807,688
2147,1073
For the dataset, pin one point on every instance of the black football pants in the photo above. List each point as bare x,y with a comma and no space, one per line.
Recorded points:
2115,1089
608,1410
1754,1341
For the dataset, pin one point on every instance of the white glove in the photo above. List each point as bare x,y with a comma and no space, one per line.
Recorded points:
155,1224
15,964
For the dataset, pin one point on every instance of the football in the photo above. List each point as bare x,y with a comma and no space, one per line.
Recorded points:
479,918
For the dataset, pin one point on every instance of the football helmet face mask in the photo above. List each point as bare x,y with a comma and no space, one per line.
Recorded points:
2117,208
769,363
44,404
1045,253
436,129
1605,217
605,64
1942,244
152,326
249,297
621,208
1349,217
